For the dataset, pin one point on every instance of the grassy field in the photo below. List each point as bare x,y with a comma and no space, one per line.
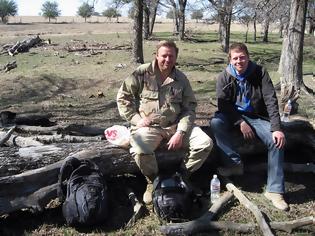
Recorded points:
49,79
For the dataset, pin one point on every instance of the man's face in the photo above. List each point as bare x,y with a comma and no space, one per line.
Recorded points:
166,58
239,60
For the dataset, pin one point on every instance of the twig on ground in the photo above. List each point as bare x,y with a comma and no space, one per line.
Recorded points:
252,207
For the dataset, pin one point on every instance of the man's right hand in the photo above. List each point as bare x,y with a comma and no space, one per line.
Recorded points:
247,131
144,122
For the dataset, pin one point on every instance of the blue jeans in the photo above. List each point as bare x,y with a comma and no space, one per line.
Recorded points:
221,127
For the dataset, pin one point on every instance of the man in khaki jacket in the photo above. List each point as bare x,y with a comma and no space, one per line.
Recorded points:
158,101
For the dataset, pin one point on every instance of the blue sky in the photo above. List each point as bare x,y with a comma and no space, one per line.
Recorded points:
67,7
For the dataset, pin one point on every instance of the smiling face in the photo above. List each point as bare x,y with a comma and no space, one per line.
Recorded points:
166,59
239,59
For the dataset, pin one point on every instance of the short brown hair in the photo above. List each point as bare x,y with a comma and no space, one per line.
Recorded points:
167,43
238,46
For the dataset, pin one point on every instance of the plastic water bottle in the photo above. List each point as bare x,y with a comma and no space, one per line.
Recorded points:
286,111
214,188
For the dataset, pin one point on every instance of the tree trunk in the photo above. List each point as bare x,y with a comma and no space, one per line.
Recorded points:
137,47
175,17
266,30
255,29
225,17
290,66
182,7
246,33
146,26
153,16
224,32
311,28
311,17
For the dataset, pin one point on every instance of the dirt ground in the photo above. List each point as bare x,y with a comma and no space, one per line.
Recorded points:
75,98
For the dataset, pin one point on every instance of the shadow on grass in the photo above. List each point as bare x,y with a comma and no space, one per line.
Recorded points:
120,211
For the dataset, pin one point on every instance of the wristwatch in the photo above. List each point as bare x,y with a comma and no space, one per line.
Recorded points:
181,132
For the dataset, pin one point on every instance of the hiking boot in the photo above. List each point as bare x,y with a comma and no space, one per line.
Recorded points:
277,200
237,169
147,196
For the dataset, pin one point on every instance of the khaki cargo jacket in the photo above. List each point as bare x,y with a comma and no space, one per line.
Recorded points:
143,95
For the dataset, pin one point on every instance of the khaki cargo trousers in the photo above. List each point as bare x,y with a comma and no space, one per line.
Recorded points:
144,141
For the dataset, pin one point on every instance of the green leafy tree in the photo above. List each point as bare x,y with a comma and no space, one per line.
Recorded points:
7,8
197,15
50,10
111,12
85,10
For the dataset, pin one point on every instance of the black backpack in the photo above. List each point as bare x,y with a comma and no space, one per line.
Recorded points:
83,191
172,198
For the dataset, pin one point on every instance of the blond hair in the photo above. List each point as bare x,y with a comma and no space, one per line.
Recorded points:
239,47
167,43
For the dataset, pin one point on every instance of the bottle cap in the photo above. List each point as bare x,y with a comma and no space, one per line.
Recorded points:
215,176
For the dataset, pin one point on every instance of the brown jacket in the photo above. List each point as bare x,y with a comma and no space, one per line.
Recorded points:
143,95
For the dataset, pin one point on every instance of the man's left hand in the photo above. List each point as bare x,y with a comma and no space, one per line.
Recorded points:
278,138
175,141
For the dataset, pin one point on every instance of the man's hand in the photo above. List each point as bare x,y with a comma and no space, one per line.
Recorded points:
175,141
278,138
247,131
144,122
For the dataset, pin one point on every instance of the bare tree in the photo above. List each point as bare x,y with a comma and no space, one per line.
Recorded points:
173,6
149,10
181,18
224,9
117,5
137,46
154,8
290,66
310,17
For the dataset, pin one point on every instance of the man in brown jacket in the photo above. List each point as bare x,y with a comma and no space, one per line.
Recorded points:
158,101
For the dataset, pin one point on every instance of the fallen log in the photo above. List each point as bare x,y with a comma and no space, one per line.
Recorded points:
8,118
28,170
200,224
24,45
17,191
287,226
71,129
39,140
18,141
9,66
5,136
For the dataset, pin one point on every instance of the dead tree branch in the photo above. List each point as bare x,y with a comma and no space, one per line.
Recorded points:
252,207
5,137
199,225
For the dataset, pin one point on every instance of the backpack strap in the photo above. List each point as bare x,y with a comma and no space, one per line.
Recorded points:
66,169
